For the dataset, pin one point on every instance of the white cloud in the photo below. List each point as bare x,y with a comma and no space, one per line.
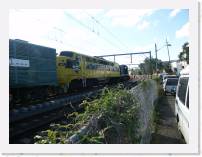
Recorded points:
128,17
183,31
143,25
174,12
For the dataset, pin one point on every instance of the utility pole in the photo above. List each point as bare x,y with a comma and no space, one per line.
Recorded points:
168,50
151,70
156,55
131,58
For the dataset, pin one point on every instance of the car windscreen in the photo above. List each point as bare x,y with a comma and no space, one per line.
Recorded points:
172,77
172,82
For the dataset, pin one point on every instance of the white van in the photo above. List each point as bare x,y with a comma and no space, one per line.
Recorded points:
182,103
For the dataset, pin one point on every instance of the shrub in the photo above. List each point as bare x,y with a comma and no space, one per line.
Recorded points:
116,112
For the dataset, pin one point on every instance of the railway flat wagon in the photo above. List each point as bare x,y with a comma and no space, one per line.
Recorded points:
32,69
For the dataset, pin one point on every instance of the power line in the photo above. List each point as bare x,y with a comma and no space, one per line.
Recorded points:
54,37
87,27
81,23
90,43
68,43
92,17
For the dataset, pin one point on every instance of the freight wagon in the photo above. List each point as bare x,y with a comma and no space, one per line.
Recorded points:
32,70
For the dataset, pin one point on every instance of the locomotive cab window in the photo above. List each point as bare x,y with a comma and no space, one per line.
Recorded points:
73,63
69,63
66,53
77,61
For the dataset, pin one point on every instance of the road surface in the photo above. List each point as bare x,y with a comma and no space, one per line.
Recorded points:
166,125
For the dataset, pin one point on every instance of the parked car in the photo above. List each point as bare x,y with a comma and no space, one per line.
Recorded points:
161,76
170,85
168,76
182,104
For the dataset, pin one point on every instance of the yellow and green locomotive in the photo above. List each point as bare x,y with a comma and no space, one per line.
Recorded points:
76,70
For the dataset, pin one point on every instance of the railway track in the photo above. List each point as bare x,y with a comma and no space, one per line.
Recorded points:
26,111
26,129
26,121
53,97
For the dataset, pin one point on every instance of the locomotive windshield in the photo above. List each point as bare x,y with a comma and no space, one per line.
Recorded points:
73,64
66,53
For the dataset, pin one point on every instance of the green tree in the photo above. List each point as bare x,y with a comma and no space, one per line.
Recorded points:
150,66
136,71
184,55
166,67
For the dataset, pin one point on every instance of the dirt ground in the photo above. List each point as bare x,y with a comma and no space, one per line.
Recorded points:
166,125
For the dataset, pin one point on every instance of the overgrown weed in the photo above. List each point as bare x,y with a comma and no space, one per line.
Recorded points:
117,112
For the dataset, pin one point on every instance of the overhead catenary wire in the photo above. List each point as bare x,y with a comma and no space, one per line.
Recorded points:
84,25
87,27
86,41
54,36
56,39
72,45
107,30
68,43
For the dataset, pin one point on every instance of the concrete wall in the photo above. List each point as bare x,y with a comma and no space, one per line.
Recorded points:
146,93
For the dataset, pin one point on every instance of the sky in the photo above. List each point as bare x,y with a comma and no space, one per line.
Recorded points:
98,32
